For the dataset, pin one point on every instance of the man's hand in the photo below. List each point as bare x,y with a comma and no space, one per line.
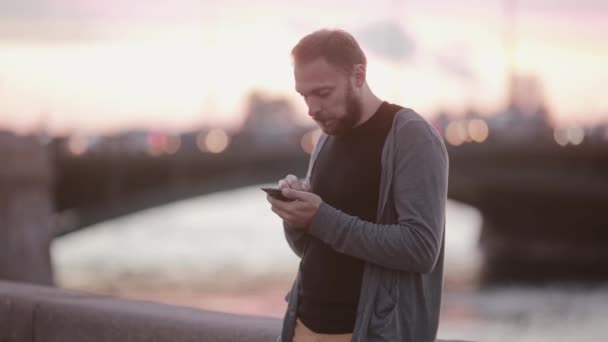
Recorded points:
299,213
292,182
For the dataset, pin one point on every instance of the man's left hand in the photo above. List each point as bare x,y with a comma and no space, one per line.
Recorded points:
298,214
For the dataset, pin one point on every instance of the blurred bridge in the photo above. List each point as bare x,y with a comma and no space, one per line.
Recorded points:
98,187
544,208
543,205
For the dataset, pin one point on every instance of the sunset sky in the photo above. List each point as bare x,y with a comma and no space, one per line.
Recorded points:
99,66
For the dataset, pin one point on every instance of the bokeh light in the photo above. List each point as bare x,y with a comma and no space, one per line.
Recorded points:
456,133
215,141
309,140
478,130
78,145
576,135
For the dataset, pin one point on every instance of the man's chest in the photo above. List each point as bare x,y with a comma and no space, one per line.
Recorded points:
346,175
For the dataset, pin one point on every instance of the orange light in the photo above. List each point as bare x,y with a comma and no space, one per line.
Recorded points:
216,141
478,130
456,133
309,140
172,144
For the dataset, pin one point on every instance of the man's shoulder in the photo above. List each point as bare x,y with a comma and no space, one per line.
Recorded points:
413,127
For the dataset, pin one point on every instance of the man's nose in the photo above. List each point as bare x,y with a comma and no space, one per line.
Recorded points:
314,108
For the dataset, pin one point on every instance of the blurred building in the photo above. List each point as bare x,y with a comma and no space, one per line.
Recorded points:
267,115
269,121
526,115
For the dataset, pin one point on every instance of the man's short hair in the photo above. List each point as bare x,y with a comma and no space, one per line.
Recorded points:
338,47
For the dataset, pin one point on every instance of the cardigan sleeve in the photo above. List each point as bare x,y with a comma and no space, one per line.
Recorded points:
419,190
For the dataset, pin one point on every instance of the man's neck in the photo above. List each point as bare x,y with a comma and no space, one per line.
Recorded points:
369,106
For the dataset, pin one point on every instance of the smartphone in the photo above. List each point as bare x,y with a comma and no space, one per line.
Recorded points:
276,193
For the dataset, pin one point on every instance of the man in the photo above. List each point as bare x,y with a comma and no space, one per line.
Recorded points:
368,220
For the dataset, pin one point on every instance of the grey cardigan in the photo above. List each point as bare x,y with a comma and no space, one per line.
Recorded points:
401,289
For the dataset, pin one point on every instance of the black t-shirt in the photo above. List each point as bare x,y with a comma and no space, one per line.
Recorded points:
346,175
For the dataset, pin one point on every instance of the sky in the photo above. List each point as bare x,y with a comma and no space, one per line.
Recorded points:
86,65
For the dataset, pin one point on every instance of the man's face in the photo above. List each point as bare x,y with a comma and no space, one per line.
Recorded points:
329,94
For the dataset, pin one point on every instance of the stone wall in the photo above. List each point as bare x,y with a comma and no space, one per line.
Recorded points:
26,210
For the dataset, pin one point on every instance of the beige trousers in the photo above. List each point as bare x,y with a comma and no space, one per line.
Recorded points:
304,334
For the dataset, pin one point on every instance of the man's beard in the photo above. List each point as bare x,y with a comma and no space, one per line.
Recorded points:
352,116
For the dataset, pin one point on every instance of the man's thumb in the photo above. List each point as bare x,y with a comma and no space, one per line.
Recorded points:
306,186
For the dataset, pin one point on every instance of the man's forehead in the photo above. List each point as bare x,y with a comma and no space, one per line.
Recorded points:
316,74
315,68
304,87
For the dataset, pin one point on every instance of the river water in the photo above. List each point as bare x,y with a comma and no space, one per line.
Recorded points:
226,252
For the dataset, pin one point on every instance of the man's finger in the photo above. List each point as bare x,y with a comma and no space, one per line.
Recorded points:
283,205
283,184
293,182
296,194
278,211
284,215
306,185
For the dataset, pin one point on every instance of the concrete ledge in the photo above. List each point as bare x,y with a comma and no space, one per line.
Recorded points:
35,313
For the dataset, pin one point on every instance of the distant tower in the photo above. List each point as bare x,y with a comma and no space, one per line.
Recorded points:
526,94
510,8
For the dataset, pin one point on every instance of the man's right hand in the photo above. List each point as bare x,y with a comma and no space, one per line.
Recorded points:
299,212
292,182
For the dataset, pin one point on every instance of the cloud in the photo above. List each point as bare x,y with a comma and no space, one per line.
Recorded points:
47,32
42,21
49,21
566,5
387,40
27,9
455,61
390,41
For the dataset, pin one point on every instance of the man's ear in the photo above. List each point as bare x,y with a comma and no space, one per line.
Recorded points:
359,74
